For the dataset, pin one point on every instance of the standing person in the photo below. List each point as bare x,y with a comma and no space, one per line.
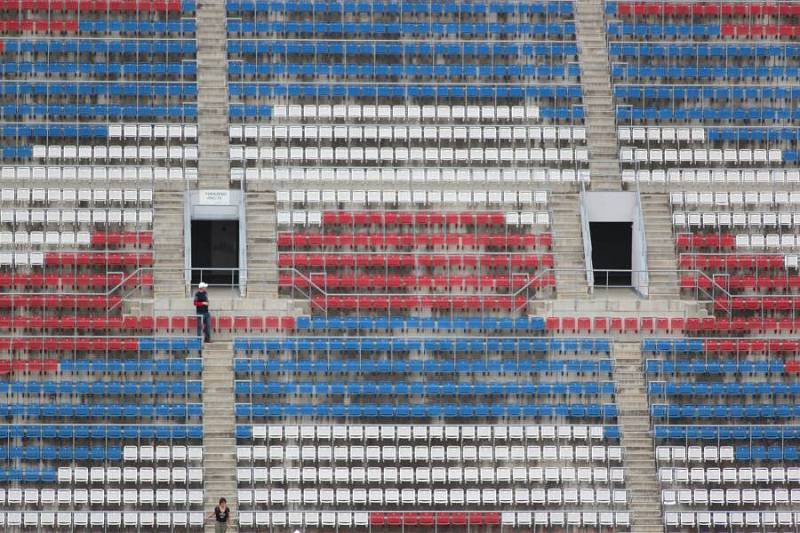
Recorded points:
203,313
221,515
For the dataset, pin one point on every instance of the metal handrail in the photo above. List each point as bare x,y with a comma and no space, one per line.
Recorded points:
642,233
587,239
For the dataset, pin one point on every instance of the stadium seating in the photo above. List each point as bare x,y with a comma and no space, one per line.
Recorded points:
702,90
66,116
718,462
108,433
414,259
372,472
354,97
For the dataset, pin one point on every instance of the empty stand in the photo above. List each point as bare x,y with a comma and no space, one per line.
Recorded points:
406,260
347,94
66,116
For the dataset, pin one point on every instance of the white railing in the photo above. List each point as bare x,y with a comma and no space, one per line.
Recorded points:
586,236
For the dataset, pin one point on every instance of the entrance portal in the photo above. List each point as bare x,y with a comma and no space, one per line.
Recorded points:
611,250
215,252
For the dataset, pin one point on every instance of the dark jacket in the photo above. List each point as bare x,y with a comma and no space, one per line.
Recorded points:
199,298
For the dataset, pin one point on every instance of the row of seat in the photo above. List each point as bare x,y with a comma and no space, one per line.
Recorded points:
102,153
98,27
419,218
321,91
568,325
94,131
406,344
701,9
704,74
55,259
451,303
727,156
134,411
731,518
480,8
325,432
705,389
101,497
80,238
316,218
454,453
103,388
249,519
101,174
690,199
745,433
386,155
416,134
722,93
752,410
101,6
573,411
100,344
351,50
453,241
666,30
98,367
110,519
731,497
381,30
73,216
727,219
710,176
424,475
25,196
673,134
137,432
728,52
431,497
445,388
751,345
718,367
386,366
731,475
438,176
379,71
454,261
115,475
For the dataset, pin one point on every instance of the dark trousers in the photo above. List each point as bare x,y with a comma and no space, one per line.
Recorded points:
204,325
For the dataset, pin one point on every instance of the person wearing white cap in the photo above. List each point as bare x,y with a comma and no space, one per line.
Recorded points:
203,312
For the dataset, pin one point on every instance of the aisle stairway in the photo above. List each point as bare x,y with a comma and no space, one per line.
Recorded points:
212,95
168,243
597,98
568,247
219,444
662,261
637,439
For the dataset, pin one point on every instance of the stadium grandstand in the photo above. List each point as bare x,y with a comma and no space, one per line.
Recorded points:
503,265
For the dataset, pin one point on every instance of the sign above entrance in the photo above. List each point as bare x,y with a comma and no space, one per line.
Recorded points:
214,197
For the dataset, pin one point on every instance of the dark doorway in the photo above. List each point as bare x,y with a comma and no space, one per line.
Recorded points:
215,250
611,250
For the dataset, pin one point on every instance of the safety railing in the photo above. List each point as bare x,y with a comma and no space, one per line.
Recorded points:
640,242
587,238
130,298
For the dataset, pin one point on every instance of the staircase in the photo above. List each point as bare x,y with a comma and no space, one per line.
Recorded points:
262,274
212,95
644,496
662,261
168,243
219,443
568,246
597,98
